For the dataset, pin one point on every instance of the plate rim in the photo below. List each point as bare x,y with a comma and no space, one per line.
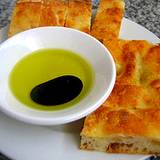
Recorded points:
125,20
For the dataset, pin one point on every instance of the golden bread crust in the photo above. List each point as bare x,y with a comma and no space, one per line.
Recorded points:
129,56
54,13
35,13
108,19
133,108
26,15
129,94
106,122
118,115
79,15
24,1
29,14
124,117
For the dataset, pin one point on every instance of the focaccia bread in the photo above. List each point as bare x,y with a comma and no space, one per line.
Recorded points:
124,124
79,15
54,13
30,14
129,120
22,1
36,13
26,15
128,57
108,19
123,130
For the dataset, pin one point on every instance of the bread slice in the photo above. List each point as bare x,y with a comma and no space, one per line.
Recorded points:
54,13
24,1
36,13
125,123
128,56
30,14
108,19
26,15
129,120
79,15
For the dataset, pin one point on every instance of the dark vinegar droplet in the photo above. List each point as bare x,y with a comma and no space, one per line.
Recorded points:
57,91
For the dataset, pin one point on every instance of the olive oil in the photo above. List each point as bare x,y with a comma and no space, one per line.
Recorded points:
45,65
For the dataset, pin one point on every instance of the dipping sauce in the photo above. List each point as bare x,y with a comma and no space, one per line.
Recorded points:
44,66
57,91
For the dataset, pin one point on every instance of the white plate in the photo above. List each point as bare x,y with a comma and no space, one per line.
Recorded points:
22,141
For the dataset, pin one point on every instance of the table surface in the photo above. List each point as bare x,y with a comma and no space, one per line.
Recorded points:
144,12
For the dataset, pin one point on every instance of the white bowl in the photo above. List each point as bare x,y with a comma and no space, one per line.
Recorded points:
15,48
